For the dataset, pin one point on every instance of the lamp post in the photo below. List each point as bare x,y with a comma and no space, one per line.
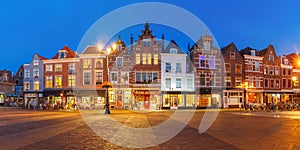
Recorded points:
245,92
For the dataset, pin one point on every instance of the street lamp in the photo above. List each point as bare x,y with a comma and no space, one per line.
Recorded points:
245,88
108,85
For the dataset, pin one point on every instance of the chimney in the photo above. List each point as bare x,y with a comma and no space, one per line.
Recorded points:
162,42
131,42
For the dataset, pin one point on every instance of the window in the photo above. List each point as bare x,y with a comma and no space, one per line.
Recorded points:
238,69
277,83
99,78
266,83
155,77
178,67
286,61
256,81
266,69
86,78
212,80
114,77
238,82
87,64
271,57
202,61
212,62
27,86
99,63
178,82
144,59
252,52
58,81
168,67
202,79
283,72
36,72
232,55
144,77
289,83
271,83
250,65
49,68
296,82
119,47
168,82
137,59
149,77
271,70
173,51
257,68
277,70
155,59
36,85
71,80
49,81
146,42
62,55
71,68
27,73
227,68
35,62
206,46
124,77
58,67
289,72
137,77
228,80
149,58
119,62
190,83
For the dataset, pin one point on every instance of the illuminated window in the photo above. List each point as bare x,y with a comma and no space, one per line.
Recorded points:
227,68
228,80
71,80
238,81
137,59
149,59
238,69
58,81
232,55
99,63
144,59
58,67
49,81
124,77
155,59
87,64
35,62
27,86
36,85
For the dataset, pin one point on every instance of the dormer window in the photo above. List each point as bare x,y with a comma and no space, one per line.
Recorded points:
206,46
286,62
271,57
252,52
146,42
173,51
35,62
119,47
62,54
232,55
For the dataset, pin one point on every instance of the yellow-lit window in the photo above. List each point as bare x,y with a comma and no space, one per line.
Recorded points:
58,67
138,59
155,59
58,82
149,59
144,59
49,83
71,80
87,63
36,85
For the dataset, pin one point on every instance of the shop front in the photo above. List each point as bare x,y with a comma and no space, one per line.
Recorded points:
32,100
146,99
233,98
255,96
89,99
2,98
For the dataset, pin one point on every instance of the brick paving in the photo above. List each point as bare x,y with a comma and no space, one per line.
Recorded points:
22,129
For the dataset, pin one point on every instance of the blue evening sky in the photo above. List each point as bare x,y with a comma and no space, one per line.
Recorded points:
45,26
